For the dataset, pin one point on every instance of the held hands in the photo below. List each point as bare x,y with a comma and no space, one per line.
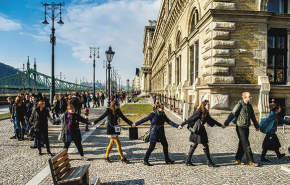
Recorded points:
180,127
133,125
258,129
223,126
92,123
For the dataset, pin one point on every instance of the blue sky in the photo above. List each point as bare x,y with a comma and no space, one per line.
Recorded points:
88,23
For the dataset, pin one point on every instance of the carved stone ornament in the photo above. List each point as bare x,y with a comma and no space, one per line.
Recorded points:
219,101
224,6
223,80
224,44
220,70
221,52
223,26
223,61
223,35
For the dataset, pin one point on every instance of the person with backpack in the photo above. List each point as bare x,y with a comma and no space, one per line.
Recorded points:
157,132
244,112
269,127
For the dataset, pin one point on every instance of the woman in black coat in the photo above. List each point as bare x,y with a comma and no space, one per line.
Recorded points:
114,113
198,133
39,121
157,134
70,128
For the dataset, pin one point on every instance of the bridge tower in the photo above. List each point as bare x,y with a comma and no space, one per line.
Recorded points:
34,76
28,75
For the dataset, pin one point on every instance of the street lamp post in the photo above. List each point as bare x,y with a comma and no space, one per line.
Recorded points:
116,74
93,51
52,7
105,65
110,55
119,83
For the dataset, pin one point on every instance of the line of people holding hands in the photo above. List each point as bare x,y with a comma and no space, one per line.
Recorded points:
242,114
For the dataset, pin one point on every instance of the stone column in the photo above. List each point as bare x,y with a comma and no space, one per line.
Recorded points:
263,103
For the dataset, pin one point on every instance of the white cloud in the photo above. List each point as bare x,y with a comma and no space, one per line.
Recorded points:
8,25
117,23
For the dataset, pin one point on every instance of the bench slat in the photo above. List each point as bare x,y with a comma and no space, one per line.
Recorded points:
64,166
77,174
64,158
63,174
62,153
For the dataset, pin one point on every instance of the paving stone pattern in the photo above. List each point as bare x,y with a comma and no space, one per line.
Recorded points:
19,163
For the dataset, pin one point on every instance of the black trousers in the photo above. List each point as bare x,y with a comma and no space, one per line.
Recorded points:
44,136
78,144
244,144
152,147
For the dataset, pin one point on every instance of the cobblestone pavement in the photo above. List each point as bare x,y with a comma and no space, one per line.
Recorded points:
19,163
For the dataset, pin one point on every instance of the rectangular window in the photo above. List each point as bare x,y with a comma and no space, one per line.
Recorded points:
191,64
177,71
170,71
196,59
277,56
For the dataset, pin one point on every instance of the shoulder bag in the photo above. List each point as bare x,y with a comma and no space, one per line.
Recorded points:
146,136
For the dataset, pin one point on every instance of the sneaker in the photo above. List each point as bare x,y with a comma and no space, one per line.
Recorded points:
83,158
253,164
238,161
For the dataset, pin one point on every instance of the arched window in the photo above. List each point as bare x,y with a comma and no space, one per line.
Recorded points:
178,39
278,6
194,20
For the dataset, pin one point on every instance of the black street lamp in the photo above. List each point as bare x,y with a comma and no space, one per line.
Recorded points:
52,7
94,50
105,65
116,85
110,54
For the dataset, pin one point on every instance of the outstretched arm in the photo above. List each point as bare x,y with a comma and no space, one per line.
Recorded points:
233,114
171,122
191,119
125,119
101,117
149,117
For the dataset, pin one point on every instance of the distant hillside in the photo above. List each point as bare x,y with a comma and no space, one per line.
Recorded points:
6,70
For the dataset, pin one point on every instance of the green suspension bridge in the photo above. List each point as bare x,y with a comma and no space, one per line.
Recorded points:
32,81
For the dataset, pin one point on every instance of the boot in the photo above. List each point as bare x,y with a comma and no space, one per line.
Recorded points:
22,133
207,155
263,159
189,155
279,155
17,135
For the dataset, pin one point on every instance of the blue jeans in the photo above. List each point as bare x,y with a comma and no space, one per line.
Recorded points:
19,126
88,104
14,127
102,101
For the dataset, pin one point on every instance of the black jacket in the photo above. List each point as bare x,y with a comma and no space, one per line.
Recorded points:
56,106
113,120
75,129
18,111
199,132
39,120
62,105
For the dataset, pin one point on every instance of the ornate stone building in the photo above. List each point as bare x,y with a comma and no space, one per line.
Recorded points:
217,49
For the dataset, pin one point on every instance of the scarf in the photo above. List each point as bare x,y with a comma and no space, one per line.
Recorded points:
69,122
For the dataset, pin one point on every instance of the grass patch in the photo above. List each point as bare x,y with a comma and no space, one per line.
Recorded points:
141,99
5,115
138,112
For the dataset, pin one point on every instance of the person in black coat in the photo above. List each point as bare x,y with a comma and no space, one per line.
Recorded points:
71,130
114,113
62,104
198,133
19,116
157,134
39,120
11,103
55,109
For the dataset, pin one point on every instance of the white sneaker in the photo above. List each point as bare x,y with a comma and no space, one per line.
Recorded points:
84,158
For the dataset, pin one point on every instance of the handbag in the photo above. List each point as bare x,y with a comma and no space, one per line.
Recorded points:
146,136
133,133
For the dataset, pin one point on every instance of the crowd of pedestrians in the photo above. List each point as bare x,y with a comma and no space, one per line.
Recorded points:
30,115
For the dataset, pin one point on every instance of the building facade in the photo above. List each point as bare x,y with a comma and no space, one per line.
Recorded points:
217,49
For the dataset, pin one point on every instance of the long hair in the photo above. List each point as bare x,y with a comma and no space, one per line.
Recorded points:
112,106
157,105
274,106
203,110
17,99
55,99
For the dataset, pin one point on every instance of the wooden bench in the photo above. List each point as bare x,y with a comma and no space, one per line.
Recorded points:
62,172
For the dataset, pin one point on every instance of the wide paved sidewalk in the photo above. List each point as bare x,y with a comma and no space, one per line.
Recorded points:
19,163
